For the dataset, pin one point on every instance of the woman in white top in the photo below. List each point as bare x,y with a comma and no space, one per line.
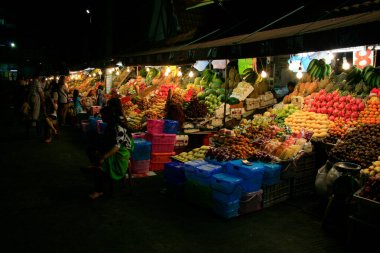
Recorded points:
63,102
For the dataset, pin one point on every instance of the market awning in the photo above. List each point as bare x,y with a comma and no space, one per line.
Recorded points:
345,31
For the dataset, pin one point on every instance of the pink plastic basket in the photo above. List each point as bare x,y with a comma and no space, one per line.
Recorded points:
140,166
155,126
138,135
161,138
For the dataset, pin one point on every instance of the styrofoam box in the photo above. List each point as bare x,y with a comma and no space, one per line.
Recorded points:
237,112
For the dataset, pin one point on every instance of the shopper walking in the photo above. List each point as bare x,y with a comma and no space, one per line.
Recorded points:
63,101
35,98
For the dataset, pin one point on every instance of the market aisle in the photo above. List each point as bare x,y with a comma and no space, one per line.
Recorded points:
44,209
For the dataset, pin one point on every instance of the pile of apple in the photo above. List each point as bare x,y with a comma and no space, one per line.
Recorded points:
335,106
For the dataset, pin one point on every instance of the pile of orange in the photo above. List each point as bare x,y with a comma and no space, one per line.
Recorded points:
371,114
340,128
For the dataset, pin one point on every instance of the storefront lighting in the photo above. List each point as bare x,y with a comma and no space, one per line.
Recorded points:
12,44
128,69
179,73
88,11
147,69
100,73
345,64
117,72
191,73
93,75
264,74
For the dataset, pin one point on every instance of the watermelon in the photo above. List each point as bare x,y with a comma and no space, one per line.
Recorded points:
233,101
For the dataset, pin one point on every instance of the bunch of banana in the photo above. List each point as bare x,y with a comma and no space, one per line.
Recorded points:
156,110
371,76
318,69
354,76
134,123
251,76
233,78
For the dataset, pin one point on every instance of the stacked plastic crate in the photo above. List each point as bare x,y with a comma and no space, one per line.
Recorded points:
251,183
175,179
226,194
163,142
198,182
140,158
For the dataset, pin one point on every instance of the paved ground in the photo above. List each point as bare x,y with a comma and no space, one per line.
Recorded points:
44,208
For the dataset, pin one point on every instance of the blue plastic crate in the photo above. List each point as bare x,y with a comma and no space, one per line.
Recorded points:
190,172
142,150
174,172
252,175
225,187
196,163
213,161
272,173
204,173
226,209
171,126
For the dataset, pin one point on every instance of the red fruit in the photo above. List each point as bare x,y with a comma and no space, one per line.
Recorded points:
323,104
318,104
336,104
329,97
349,98
342,99
348,107
354,107
342,113
354,115
316,98
336,112
358,101
329,104
361,106
323,91
330,110
323,110
319,110
335,93
332,118
348,114
341,106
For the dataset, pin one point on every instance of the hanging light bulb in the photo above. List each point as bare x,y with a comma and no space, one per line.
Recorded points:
128,69
264,74
179,73
191,73
299,74
117,72
147,69
345,64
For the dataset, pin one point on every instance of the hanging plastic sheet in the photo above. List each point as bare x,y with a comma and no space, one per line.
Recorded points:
219,64
201,65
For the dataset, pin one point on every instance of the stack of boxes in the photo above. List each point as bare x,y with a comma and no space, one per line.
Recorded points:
162,143
140,158
228,188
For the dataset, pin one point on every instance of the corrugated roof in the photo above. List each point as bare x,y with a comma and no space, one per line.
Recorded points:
290,31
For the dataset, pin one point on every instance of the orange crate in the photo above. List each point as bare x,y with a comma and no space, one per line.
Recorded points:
161,157
157,166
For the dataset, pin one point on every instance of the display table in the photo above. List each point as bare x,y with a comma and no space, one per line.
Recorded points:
200,138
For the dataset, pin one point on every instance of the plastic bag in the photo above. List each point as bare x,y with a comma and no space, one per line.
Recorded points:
324,179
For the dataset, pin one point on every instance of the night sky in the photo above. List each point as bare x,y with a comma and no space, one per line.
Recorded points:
60,31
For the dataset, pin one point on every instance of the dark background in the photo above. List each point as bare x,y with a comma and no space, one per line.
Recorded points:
58,35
